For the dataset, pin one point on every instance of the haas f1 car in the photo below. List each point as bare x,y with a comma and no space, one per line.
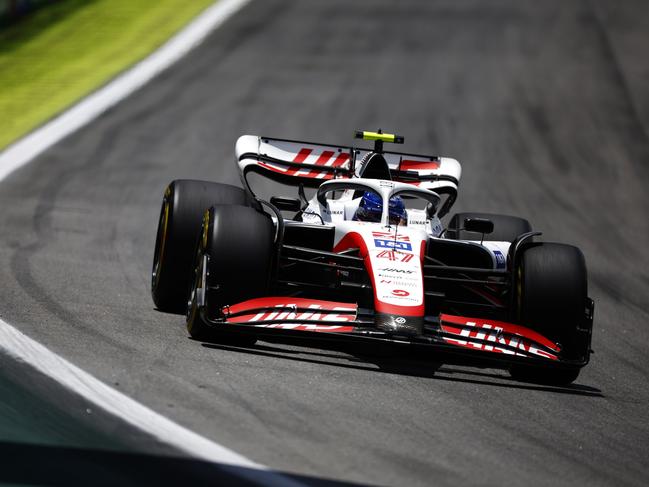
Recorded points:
366,259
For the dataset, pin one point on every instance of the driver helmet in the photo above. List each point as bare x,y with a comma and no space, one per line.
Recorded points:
371,208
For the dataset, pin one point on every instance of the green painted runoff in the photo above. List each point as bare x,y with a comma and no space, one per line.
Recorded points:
59,53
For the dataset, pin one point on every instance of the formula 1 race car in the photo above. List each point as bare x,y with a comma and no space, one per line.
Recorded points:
366,259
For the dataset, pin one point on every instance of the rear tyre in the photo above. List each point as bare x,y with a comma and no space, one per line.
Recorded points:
233,263
551,295
183,205
506,228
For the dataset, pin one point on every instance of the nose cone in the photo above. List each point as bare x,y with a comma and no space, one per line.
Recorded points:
393,259
395,266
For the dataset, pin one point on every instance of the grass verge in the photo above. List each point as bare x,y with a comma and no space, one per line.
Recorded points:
62,52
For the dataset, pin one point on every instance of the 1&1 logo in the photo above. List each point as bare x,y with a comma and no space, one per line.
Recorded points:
391,244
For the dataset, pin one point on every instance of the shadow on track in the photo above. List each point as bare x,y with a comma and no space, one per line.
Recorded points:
30,464
399,365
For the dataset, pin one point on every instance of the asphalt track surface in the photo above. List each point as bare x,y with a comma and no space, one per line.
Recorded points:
546,106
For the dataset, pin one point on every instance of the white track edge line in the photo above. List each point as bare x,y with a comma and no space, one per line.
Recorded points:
20,347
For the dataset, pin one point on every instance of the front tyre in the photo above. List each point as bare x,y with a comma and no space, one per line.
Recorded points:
233,263
552,298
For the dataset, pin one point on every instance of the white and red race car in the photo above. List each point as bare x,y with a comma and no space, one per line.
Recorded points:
366,259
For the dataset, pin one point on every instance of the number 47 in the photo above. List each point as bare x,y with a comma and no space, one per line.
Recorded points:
392,255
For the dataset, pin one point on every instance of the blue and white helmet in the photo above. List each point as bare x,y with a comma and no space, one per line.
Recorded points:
370,209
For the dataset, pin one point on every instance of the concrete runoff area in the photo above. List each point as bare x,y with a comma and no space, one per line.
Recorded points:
542,103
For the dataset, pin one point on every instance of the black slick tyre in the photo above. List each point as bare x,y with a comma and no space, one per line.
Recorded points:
233,263
506,228
183,205
551,295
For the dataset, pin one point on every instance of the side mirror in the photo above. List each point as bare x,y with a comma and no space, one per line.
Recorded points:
478,225
286,204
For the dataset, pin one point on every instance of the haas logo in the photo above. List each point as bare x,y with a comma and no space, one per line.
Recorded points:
400,271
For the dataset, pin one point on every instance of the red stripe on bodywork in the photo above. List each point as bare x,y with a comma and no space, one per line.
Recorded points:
340,160
408,164
300,157
320,161
325,159
271,167
489,330
304,314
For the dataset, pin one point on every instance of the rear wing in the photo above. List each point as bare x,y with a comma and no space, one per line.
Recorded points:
308,163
